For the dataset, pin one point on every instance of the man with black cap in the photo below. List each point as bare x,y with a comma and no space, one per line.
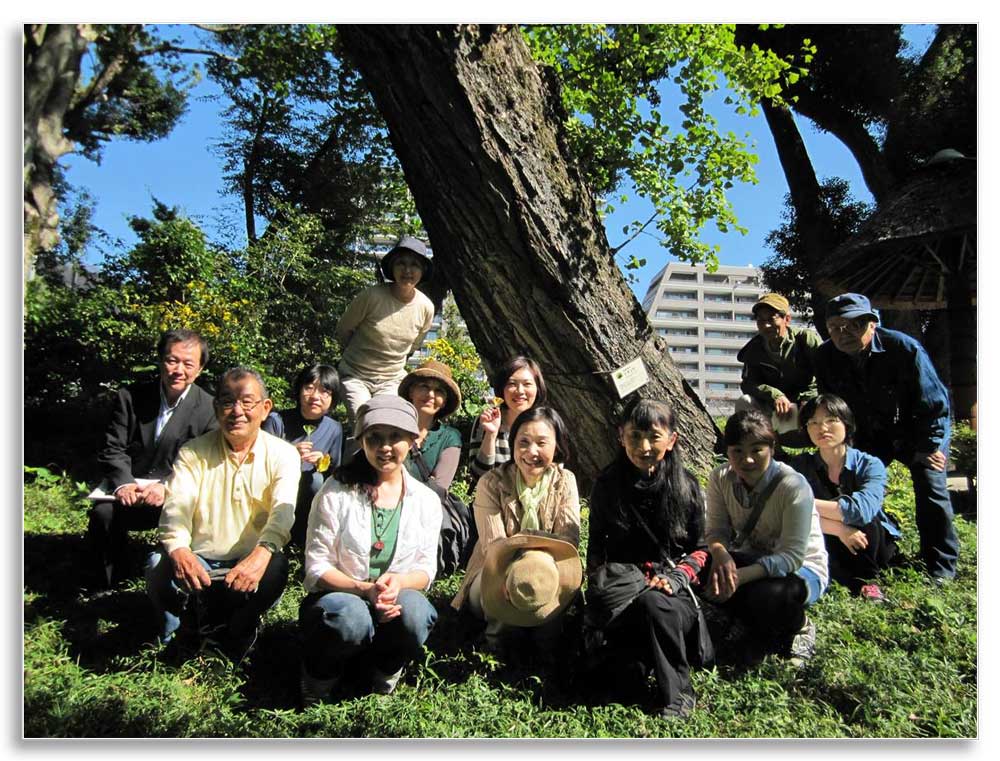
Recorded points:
383,325
778,372
902,413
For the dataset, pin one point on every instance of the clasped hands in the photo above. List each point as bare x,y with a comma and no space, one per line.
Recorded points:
382,595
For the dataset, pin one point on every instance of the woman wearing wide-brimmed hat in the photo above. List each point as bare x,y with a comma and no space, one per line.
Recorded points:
532,493
433,392
383,325
371,553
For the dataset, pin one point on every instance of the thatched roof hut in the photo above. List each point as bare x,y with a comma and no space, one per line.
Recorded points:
925,233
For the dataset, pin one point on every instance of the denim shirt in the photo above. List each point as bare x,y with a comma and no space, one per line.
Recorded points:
861,487
895,394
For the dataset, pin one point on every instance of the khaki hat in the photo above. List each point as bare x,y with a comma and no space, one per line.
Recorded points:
438,371
529,578
386,409
776,301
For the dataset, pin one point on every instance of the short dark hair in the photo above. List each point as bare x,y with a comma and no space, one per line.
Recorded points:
550,416
183,336
325,375
234,374
644,414
836,407
748,423
511,366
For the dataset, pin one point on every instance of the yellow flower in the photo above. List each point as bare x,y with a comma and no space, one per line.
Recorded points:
324,463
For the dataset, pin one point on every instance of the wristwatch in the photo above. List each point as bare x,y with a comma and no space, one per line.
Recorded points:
269,546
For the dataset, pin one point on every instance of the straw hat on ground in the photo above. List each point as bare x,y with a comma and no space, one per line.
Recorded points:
529,578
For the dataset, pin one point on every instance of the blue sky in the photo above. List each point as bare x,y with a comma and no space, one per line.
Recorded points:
184,170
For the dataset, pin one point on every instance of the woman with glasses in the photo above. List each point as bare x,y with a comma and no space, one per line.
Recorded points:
519,386
435,395
848,487
316,435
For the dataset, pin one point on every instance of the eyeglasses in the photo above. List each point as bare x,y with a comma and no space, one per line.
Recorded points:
321,391
827,422
857,326
228,405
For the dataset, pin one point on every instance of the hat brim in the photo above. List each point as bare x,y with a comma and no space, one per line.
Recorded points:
502,552
852,314
387,262
390,417
454,396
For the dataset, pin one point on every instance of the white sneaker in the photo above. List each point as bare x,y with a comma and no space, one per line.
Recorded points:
384,684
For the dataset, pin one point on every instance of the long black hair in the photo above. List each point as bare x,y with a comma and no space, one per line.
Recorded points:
678,514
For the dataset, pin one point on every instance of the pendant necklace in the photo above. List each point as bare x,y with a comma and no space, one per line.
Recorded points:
382,522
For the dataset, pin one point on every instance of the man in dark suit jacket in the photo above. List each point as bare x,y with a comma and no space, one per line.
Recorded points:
149,423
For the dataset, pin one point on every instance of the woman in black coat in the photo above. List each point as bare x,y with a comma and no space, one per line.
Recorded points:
647,511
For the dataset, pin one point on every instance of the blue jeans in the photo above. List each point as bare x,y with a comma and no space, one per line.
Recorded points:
814,584
239,611
337,626
938,540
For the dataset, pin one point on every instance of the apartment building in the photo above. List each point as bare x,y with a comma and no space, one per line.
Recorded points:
706,318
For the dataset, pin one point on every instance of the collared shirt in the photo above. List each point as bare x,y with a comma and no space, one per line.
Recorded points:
900,404
787,535
167,410
340,534
859,491
221,508
768,375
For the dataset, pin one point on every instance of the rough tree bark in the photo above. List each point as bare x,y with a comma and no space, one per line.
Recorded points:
52,55
513,225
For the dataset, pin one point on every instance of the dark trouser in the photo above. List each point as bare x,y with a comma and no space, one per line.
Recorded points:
309,485
773,608
938,540
854,571
235,613
107,533
655,629
338,626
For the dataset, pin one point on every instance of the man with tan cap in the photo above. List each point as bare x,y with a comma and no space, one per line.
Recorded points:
778,365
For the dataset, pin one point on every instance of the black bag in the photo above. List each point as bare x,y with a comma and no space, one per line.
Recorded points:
458,529
702,649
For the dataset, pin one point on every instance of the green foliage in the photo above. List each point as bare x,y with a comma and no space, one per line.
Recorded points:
303,132
272,306
90,670
964,447
455,349
619,130
137,89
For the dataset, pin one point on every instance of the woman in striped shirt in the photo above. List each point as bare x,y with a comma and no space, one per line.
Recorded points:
519,383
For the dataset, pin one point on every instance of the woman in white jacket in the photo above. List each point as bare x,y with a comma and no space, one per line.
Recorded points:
769,560
371,553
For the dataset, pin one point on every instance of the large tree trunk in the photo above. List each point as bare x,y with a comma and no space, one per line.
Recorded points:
812,217
513,225
52,55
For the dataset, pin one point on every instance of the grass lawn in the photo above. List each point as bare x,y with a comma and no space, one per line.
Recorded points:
904,669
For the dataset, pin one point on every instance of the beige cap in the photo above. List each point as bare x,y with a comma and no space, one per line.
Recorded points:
776,301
